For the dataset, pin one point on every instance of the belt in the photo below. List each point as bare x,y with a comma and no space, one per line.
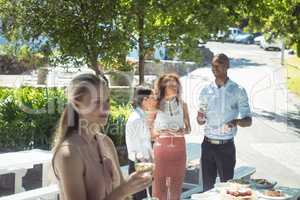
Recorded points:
215,141
170,136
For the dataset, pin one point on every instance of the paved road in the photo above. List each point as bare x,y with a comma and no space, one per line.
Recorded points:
272,144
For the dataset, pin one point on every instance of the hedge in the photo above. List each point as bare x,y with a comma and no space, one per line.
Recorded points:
28,118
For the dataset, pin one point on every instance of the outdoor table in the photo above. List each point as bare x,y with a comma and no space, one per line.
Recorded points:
19,162
213,194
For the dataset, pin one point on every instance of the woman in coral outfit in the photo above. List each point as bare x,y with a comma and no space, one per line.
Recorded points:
170,125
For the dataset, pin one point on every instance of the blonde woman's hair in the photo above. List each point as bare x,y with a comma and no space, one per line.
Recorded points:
69,120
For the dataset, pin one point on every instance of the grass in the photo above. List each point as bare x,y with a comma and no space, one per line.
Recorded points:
293,68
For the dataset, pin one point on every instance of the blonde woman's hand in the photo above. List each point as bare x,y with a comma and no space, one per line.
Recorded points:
136,182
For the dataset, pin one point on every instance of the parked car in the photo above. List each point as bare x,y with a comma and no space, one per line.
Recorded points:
271,44
233,33
228,35
258,39
244,38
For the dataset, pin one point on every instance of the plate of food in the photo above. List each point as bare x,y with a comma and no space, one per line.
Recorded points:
262,183
240,194
230,185
273,195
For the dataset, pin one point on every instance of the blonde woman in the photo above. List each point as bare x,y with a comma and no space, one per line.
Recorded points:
85,161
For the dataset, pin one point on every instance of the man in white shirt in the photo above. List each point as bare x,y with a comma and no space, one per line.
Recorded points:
138,137
223,107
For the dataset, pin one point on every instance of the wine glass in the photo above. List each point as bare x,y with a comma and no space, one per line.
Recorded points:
173,129
156,140
168,184
172,140
203,107
203,110
157,143
144,162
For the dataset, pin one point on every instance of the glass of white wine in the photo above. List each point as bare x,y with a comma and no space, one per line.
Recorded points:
168,185
145,163
173,130
203,109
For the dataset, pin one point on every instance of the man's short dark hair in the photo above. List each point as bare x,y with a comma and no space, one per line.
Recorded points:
221,59
140,92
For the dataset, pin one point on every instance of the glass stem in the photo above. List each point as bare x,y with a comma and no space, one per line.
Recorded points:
148,192
168,188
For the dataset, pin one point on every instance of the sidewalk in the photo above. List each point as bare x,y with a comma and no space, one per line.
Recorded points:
293,70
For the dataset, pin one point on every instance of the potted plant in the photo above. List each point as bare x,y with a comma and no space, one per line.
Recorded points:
120,72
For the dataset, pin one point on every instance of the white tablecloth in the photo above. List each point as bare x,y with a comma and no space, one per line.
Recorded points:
213,194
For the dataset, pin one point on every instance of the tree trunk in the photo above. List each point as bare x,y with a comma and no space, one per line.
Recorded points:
298,48
93,64
141,48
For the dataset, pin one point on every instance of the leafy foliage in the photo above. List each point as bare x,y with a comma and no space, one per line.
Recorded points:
117,64
82,29
115,129
28,117
176,24
24,121
108,29
280,17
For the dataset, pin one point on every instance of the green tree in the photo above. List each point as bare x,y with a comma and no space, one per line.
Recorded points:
179,24
86,29
108,29
280,17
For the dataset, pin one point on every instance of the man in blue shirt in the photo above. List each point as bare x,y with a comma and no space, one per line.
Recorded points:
223,107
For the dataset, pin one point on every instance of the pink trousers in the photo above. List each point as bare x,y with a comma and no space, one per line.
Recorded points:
170,163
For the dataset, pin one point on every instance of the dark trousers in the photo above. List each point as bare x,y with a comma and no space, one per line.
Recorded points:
217,159
142,194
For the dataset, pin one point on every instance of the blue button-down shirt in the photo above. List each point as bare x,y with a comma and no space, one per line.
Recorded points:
223,105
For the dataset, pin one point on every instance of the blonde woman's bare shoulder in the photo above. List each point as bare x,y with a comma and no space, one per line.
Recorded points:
69,170
67,153
68,160
106,140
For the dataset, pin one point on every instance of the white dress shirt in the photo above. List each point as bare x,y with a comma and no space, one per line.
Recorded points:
223,105
138,138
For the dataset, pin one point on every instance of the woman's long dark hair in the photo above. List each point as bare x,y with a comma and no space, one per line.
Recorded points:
161,85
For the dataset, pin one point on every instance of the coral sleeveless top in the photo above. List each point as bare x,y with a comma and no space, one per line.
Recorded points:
101,167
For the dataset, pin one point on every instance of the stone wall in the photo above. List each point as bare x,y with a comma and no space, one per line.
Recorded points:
179,67
162,67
